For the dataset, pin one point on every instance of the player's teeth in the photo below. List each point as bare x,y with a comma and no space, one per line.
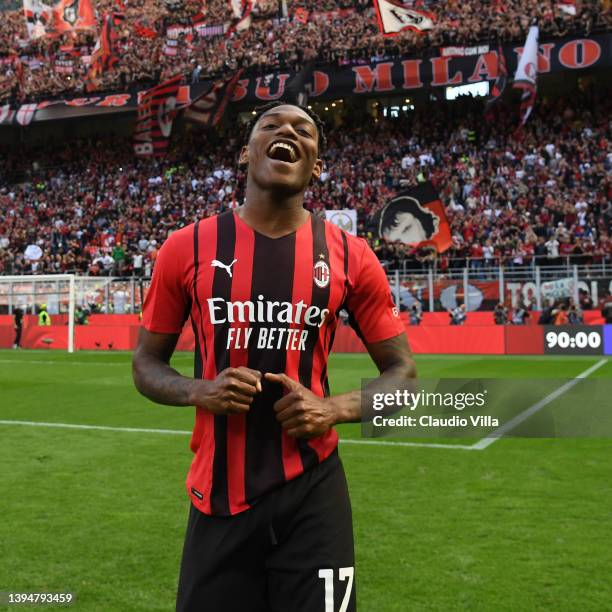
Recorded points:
284,146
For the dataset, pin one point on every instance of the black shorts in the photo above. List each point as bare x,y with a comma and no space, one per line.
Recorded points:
291,552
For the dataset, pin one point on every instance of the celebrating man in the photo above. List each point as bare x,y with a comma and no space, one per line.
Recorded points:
270,522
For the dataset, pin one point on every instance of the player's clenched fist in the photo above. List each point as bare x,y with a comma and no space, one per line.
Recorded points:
300,412
232,391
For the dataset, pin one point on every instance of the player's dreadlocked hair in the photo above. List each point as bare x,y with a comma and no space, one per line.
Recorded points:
260,110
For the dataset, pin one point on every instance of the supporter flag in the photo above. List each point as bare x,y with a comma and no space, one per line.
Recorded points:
38,18
72,15
568,6
502,76
156,111
104,55
415,216
393,17
199,19
297,89
301,14
242,12
25,114
208,108
6,114
143,31
527,73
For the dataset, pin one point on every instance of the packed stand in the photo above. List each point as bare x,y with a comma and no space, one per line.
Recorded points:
160,39
544,193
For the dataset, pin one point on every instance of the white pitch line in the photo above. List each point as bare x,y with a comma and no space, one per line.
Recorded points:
187,433
522,416
100,427
420,444
49,362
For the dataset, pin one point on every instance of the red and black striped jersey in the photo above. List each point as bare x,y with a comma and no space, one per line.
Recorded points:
271,304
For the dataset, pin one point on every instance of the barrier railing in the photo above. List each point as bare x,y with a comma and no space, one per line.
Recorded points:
434,290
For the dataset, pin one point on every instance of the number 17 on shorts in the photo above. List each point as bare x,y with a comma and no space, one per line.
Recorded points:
344,580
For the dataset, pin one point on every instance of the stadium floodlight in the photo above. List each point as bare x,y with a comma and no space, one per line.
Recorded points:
56,291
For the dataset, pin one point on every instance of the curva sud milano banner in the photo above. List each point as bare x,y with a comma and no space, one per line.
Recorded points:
400,75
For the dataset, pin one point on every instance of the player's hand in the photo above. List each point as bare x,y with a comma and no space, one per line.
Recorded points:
301,413
231,392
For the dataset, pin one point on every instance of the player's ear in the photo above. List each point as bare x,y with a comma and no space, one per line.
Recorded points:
243,160
318,168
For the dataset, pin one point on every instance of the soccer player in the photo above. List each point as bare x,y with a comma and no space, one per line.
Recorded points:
270,520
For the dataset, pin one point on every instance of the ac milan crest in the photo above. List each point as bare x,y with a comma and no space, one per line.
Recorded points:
70,13
321,274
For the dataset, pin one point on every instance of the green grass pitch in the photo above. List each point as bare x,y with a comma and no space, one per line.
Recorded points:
525,524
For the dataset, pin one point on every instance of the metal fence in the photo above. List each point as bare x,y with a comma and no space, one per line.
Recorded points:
97,294
483,288
434,290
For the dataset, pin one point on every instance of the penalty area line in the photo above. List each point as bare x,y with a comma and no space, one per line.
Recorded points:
182,432
528,412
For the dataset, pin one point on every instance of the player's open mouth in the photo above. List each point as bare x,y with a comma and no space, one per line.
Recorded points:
283,150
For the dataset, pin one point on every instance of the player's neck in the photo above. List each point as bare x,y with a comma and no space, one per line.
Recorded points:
273,217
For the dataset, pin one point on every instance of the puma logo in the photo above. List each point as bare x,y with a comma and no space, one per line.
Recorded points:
228,268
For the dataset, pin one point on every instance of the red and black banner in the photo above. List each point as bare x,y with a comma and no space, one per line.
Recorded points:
208,108
105,55
416,217
402,75
497,89
156,112
72,15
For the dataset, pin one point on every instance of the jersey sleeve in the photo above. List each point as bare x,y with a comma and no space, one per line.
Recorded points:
167,302
371,309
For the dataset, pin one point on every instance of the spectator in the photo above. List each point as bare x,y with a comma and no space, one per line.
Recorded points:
574,314
560,314
606,309
458,315
586,303
500,314
80,316
547,316
520,314
416,314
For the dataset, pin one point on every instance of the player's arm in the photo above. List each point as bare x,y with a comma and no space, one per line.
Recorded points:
164,312
152,373
393,359
231,392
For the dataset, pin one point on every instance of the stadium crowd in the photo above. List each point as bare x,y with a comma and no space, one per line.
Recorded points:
150,47
544,192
